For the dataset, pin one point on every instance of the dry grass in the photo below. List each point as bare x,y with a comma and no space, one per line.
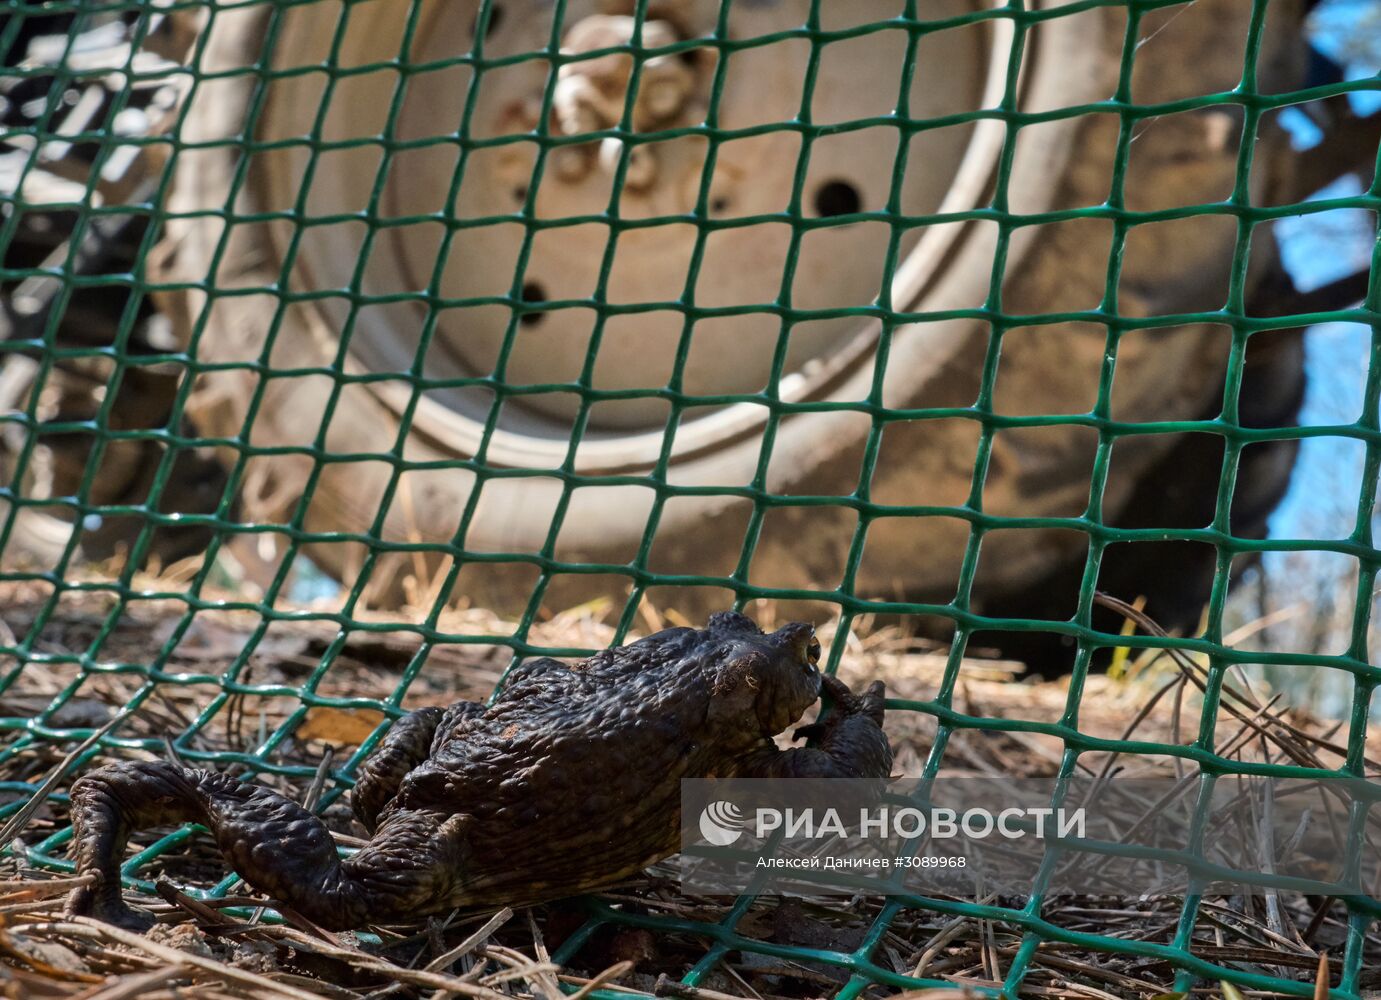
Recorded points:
223,948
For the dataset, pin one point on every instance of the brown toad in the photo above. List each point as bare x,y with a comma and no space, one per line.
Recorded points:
570,780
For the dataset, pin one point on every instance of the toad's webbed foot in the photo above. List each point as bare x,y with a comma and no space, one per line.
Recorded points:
852,743
275,845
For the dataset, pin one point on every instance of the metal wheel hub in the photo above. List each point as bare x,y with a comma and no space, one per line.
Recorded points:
497,187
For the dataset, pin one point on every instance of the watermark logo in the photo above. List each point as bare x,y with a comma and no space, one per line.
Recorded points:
970,836
721,823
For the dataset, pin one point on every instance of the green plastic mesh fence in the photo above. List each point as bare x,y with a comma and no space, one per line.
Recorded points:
97,213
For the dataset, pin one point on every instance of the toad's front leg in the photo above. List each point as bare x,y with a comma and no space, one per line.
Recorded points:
852,743
409,867
410,741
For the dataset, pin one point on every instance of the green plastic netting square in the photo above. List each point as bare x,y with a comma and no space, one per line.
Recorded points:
327,76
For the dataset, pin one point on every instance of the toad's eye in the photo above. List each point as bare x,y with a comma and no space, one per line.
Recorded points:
813,651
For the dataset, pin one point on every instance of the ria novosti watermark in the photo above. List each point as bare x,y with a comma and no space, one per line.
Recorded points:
722,823
971,836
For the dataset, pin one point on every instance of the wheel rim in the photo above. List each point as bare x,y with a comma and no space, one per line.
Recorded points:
951,171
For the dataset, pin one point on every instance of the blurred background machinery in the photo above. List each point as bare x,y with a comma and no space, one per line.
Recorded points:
645,312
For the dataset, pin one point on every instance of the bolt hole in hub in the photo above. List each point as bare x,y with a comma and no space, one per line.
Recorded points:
533,294
837,198
495,20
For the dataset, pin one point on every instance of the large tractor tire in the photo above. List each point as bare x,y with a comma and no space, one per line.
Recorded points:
307,146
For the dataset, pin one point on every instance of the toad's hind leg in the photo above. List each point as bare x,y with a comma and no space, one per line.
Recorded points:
276,845
408,743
